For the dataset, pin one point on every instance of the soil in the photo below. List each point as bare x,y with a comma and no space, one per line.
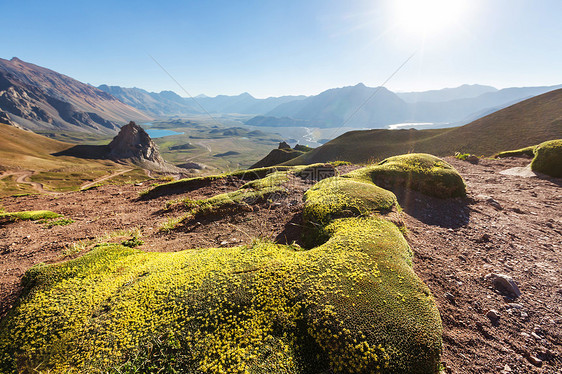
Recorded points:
508,225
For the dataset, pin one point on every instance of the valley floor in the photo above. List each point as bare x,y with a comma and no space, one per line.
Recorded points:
508,225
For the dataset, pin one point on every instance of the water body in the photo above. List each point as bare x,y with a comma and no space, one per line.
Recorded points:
160,133
412,125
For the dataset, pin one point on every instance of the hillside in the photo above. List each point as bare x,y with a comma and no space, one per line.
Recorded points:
527,123
39,99
28,164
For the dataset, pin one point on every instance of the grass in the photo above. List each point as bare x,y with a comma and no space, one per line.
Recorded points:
188,184
31,215
58,222
536,120
265,307
548,158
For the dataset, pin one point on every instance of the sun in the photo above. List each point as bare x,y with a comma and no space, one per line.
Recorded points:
426,17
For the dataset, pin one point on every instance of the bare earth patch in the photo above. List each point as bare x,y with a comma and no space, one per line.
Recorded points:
508,225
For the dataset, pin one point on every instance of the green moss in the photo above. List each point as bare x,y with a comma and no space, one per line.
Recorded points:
188,184
59,222
548,158
350,304
418,171
527,151
344,197
32,215
274,179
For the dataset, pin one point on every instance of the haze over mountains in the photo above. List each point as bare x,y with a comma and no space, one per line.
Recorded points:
526,123
168,103
352,106
39,99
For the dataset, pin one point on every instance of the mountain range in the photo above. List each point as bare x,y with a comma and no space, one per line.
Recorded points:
167,103
526,123
39,99
352,106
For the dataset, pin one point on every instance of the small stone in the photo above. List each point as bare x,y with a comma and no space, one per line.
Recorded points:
525,335
472,159
536,336
493,315
504,284
224,242
534,360
506,369
483,239
515,306
524,315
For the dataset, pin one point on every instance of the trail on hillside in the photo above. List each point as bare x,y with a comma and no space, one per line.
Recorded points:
22,177
99,180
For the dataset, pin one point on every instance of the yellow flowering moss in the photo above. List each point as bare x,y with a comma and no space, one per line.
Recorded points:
418,171
351,304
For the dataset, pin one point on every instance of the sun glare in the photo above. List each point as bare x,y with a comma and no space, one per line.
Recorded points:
426,17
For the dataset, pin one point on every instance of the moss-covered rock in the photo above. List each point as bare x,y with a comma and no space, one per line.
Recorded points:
418,171
350,304
527,152
548,158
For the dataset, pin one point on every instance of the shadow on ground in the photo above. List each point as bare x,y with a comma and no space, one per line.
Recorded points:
96,152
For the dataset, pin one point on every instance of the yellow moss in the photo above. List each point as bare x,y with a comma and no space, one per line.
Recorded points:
350,305
418,171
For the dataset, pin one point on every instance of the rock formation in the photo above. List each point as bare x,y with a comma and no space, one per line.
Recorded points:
133,144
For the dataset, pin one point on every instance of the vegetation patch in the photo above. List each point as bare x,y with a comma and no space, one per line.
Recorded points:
132,243
349,304
548,158
30,215
189,184
527,151
58,222
417,171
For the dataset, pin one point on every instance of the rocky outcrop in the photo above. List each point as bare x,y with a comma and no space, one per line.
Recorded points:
282,154
133,144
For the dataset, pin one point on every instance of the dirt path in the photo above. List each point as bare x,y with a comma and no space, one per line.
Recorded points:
23,176
507,225
114,174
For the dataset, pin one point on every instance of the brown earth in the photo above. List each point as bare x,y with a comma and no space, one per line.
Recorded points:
507,225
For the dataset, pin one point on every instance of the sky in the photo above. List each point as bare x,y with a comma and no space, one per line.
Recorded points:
289,47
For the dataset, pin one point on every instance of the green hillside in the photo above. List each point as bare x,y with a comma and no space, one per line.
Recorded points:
532,121
29,156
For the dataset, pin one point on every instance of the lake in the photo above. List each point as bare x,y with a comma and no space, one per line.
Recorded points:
159,133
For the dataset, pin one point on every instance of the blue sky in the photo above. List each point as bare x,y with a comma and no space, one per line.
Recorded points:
274,48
